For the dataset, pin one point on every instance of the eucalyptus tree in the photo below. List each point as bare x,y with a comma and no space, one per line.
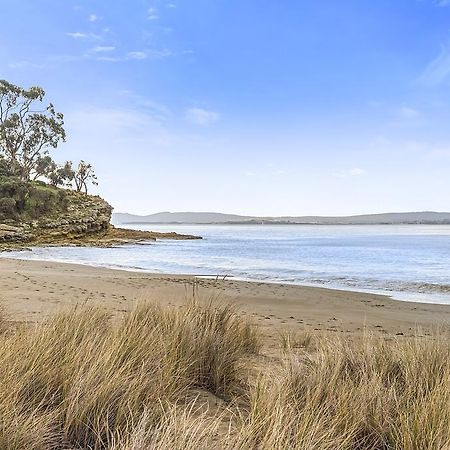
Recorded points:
83,175
28,130
61,175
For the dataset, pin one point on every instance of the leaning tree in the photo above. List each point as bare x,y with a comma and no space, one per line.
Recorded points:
83,175
27,131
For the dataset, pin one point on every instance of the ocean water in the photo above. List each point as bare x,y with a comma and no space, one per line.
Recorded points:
408,262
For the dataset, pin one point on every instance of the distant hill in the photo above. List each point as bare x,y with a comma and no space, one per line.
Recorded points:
425,217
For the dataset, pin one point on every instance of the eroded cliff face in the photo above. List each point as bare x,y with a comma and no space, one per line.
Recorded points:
84,216
84,221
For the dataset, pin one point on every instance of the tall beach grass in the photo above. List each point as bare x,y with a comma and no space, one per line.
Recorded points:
352,395
82,380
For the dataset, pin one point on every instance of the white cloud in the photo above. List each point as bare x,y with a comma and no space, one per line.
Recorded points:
201,116
355,172
109,58
88,36
406,112
156,110
92,18
113,129
137,55
152,14
102,49
78,35
438,70
101,53
171,5
25,65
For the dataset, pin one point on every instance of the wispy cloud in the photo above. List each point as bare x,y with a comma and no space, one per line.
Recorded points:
93,18
201,116
355,172
107,58
107,131
405,112
152,14
78,35
155,109
438,70
137,55
99,53
102,49
25,65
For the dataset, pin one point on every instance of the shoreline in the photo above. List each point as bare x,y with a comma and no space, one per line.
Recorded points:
32,290
395,295
109,237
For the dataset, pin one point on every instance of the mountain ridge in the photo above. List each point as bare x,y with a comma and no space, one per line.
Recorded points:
188,217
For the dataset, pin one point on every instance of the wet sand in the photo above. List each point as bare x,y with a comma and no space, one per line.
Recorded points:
33,290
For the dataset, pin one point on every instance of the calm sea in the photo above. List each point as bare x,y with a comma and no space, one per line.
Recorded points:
409,262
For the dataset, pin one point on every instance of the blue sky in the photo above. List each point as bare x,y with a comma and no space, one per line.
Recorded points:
251,106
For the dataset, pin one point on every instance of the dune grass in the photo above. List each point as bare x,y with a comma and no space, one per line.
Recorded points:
83,380
369,394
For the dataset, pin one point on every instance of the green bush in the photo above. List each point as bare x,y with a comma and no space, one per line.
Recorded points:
40,200
7,208
21,200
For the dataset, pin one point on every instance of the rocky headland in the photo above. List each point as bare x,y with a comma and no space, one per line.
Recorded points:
84,221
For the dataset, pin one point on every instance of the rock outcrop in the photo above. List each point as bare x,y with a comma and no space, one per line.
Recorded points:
84,215
84,222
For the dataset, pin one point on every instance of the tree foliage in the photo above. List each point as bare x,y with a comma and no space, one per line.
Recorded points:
83,175
62,175
27,134
21,199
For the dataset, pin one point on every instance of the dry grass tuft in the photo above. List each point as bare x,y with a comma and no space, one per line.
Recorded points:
81,381
291,340
374,394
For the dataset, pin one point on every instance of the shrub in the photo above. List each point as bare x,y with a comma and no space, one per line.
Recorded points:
40,200
7,208
24,200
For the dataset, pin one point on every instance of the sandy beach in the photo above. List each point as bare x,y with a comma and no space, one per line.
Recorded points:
33,290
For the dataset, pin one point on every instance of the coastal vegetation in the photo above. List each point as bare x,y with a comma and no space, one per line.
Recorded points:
28,200
28,132
29,177
42,202
81,380
195,377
